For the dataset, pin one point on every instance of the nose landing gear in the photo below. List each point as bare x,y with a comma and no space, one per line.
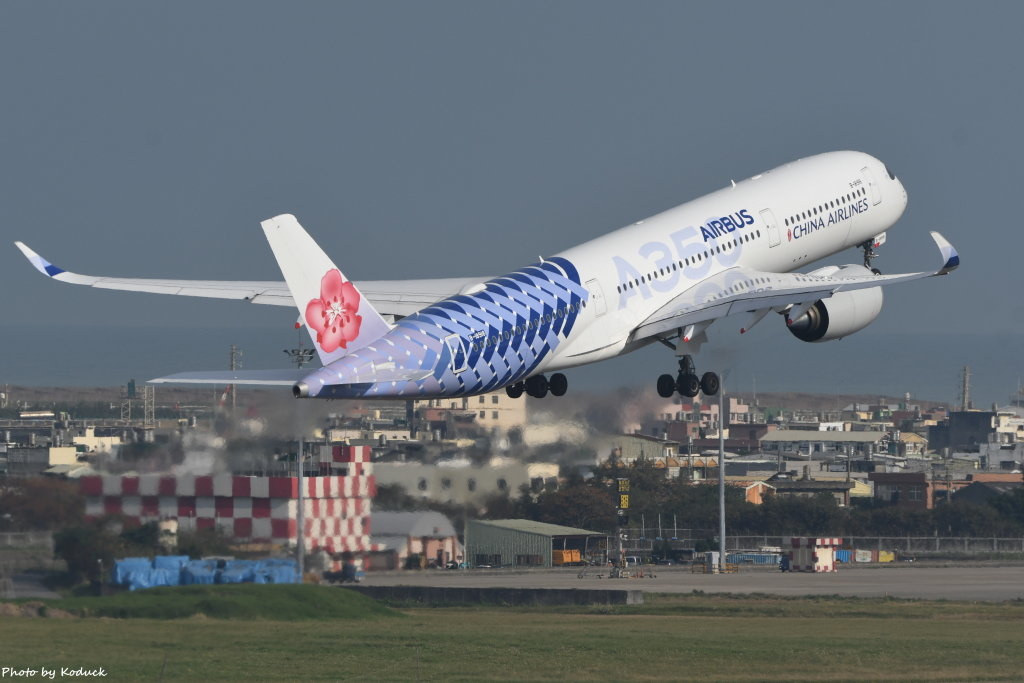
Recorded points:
686,382
869,255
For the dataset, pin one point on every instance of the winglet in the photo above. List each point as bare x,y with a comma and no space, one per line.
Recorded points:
339,318
40,264
952,259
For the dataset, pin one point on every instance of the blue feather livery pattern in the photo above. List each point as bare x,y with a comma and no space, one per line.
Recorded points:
469,343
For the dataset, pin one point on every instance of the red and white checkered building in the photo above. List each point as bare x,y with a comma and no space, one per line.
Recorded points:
813,554
336,509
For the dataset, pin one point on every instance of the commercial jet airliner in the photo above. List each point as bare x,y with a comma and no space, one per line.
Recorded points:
725,258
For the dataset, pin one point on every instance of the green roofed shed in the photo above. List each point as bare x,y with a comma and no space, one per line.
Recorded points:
525,543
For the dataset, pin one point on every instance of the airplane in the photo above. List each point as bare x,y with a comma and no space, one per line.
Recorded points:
665,279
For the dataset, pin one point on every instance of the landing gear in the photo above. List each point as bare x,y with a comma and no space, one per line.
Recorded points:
686,382
666,386
558,384
869,254
539,386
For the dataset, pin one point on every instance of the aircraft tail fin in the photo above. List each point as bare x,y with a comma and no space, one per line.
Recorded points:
339,318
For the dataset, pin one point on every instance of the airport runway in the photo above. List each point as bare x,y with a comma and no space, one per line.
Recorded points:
995,583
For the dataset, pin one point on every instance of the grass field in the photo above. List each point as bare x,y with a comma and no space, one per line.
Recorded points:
329,633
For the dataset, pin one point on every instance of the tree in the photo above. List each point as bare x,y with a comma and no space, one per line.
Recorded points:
577,505
803,515
143,539
203,543
1010,507
87,549
40,504
967,519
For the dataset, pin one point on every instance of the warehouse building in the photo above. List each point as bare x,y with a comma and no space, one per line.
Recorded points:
525,543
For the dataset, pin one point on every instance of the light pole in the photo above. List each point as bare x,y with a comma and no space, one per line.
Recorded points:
300,538
721,476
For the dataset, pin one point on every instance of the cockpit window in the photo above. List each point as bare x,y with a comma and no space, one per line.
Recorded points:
892,176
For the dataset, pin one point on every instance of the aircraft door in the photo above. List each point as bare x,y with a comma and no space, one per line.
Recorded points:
457,350
596,297
869,180
774,238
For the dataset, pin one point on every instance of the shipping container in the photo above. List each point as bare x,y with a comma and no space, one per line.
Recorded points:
566,557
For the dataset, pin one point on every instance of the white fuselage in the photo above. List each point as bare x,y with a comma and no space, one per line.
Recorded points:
589,303
792,215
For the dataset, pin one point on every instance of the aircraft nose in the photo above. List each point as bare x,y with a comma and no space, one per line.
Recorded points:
898,191
901,195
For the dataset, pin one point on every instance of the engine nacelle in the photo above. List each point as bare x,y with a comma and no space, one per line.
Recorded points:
840,314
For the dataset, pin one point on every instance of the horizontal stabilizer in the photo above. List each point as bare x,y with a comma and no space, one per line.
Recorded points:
286,377
352,372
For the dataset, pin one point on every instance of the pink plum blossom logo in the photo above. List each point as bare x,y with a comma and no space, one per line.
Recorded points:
334,314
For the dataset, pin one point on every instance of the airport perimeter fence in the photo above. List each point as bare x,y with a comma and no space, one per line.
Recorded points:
905,545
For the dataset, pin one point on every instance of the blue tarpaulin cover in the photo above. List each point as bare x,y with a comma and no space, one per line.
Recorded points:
175,562
178,570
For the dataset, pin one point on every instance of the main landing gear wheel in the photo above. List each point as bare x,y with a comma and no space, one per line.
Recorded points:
515,390
558,384
688,385
709,383
537,386
666,386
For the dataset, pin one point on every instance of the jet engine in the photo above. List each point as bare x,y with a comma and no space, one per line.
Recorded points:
840,314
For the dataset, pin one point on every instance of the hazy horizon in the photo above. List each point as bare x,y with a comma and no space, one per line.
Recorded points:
927,366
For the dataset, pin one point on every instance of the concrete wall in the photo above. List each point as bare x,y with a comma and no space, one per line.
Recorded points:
436,595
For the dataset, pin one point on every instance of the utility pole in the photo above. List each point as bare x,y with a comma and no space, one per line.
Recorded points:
721,477
236,363
300,537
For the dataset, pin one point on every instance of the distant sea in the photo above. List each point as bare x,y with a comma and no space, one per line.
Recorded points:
928,366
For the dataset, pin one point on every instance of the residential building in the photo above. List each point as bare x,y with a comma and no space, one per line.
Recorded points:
982,492
462,483
818,445
809,488
495,412
32,461
414,540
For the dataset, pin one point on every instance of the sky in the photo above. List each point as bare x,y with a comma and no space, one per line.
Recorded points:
149,139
